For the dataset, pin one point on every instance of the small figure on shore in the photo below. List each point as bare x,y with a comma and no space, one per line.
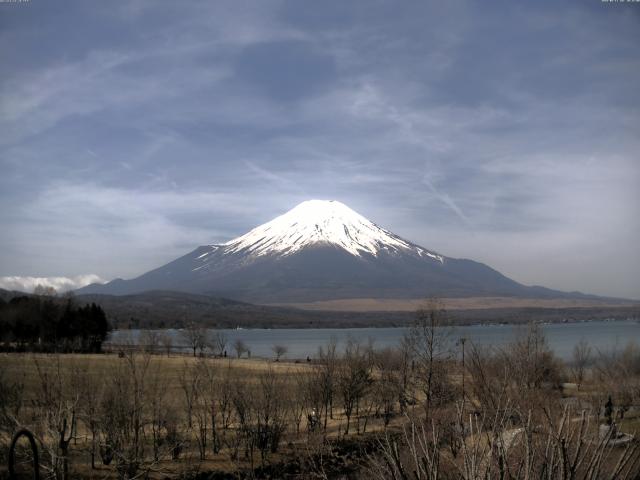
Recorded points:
608,411
313,420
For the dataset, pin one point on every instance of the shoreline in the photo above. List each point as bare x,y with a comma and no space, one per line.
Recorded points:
380,327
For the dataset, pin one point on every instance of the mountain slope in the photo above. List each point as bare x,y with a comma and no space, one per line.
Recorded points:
322,250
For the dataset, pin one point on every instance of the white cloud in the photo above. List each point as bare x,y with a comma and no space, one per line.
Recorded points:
61,284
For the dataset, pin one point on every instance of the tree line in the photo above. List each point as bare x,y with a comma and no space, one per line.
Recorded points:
46,323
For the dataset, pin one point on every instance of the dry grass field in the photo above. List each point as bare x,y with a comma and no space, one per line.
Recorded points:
171,374
470,303
23,367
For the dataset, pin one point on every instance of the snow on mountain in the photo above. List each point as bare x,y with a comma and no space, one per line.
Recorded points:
316,222
321,250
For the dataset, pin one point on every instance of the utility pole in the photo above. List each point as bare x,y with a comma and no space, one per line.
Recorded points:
462,341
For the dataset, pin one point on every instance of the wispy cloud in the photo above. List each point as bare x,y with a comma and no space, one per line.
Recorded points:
446,199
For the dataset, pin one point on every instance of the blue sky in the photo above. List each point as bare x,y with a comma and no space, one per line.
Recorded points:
505,132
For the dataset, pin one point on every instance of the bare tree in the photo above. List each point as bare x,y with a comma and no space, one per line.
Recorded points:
298,393
618,371
389,389
217,342
206,392
91,394
242,399
200,407
561,447
166,340
531,356
279,351
240,347
57,405
270,413
422,458
490,379
194,337
160,413
261,413
189,383
430,344
325,386
211,386
149,340
581,359
224,396
353,378
123,414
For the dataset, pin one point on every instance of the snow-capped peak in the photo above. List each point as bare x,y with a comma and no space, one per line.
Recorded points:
321,222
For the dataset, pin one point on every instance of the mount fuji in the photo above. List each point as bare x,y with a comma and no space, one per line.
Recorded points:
323,250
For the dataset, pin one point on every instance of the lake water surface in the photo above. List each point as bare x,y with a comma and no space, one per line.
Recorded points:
602,335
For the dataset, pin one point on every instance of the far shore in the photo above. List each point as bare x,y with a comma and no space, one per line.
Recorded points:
469,303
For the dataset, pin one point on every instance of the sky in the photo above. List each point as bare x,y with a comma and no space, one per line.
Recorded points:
505,132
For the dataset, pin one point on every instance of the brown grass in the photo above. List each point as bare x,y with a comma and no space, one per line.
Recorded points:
22,366
471,303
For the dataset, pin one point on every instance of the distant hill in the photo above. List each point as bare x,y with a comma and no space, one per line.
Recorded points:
176,309
165,309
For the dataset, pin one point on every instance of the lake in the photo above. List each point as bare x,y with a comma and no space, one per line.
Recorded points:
601,335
